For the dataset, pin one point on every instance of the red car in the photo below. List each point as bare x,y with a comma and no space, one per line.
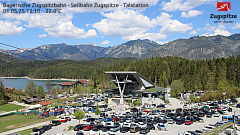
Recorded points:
219,109
146,111
65,119
188,122
115,119
88,127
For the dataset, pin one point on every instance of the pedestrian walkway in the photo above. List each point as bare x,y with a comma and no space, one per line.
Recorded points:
156,101
174,103
24,128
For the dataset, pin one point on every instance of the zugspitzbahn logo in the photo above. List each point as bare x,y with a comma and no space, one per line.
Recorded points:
223,6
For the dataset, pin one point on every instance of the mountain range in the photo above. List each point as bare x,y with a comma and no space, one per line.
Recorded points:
198,47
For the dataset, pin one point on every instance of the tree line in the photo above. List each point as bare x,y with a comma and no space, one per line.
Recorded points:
217,74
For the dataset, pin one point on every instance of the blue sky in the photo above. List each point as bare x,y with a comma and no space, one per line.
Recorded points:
162,21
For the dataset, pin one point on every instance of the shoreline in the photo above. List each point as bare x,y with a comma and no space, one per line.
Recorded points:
63,79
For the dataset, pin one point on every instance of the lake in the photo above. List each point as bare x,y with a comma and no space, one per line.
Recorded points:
20,83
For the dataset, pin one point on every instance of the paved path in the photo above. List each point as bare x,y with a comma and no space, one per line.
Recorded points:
24,128
174,103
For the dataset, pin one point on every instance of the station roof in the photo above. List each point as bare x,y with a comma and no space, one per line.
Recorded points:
133,77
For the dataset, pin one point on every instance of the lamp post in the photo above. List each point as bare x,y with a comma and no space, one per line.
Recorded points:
224,101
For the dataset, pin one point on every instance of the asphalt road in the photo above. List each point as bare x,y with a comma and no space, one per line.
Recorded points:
171,129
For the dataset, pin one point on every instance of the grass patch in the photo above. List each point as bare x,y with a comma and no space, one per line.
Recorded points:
10,107
69,128
60,101
17,121
25,132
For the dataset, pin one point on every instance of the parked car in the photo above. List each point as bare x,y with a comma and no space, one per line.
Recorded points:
97,127
38,131
161,126
107,119
87,127
79,133
47,127
188,122
151,126
124,129
134,129
114,128
106,128
144,130
216,114
55,122
209,115
229,109
79,127
65,119
90,119
129,120
115,119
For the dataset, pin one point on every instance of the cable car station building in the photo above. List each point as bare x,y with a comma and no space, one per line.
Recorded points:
130,85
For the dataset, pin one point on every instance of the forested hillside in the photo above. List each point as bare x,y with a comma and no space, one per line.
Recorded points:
13,67
211,74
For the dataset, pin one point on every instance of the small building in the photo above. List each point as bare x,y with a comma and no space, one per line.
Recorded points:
45,103
82,82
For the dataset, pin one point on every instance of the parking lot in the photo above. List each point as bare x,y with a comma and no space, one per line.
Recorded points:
171,129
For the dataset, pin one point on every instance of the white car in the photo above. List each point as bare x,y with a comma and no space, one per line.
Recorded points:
126,125
210,127
217,114
141,124
170,121
128,120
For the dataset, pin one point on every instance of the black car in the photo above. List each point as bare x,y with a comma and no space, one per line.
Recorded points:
197,118
56,122
39,130
144,130
180,121
79,127
106,128
97,127
193,132
221,112
90,119
122,119
199,131
79,133
230,109
47,127
124,129
209,115
151,126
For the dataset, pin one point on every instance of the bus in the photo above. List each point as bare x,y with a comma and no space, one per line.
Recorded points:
227,118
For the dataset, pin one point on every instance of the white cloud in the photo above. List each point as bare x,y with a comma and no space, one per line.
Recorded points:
134,25
175,27
208,27
162,42
150,36
236,26
68,30
105,42
40,20
9,28
57,25
182,5
123,23
193,32
218,30
42,35
191,13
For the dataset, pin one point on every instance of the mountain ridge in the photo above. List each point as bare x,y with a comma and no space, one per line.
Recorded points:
197,47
